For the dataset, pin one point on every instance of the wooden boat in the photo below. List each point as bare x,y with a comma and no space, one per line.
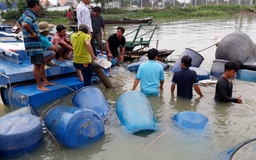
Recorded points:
131,55
129,21
125,20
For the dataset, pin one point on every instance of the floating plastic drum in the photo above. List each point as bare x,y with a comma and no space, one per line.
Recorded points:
201,73
92,98
134,112
19,134
133,67
246,75
74,127
218,68
197,59
191,120
245,150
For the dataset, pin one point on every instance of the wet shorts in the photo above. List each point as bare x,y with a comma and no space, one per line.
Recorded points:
48,53
37,59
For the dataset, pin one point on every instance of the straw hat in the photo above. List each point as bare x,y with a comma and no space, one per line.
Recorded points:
44,26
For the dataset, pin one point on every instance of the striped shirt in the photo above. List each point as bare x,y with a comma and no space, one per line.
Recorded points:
97,24
33,46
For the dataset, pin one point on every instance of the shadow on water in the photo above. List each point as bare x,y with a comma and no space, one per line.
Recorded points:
222,111
144,133
182,104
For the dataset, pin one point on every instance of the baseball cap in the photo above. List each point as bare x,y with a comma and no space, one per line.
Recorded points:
44,26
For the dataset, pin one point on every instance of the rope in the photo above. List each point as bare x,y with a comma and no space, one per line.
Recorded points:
107,116
216,44
152,142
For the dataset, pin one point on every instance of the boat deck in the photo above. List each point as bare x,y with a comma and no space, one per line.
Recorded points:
24,71
25,94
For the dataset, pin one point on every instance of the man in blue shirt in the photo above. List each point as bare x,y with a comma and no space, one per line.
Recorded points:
49,50
185,79
150,75
27,23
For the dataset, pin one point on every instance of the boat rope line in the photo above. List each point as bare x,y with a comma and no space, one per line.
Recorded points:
41,115
107,116
216,44
142,150
45,128
9,92
67,87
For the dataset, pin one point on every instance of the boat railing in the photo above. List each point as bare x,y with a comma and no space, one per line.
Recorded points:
138,38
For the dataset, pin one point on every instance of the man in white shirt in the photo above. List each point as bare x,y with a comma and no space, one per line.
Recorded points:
83,14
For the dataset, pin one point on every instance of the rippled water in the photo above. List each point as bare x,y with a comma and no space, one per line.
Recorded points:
229,124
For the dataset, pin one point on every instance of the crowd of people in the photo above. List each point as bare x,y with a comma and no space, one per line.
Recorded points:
82,50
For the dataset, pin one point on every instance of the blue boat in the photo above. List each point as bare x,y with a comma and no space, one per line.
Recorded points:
137,116
91,97
74,127
17,80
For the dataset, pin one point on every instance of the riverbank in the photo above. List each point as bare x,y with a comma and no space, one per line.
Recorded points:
175,13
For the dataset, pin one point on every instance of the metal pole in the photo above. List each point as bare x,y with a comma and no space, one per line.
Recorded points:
217,2
173,3
195,2
141,4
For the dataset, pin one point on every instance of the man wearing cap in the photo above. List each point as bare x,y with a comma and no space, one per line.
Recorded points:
185,79
33,45
83,53
150,75
49,50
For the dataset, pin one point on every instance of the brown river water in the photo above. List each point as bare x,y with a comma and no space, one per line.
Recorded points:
228,125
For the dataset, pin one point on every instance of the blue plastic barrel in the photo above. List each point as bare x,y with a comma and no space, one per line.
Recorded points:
201,73
19,133
197,59
134,112
91,97
24,110
133,67
217,68
246,75
190,120
244,150
74,127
